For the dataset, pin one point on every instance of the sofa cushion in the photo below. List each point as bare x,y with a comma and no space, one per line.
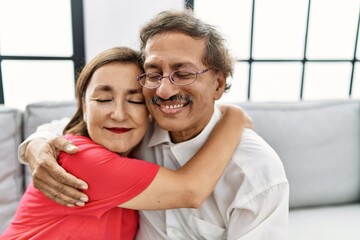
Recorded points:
11,181
318,143
330,223
44,112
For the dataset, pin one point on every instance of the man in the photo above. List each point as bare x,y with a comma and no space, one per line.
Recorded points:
250,201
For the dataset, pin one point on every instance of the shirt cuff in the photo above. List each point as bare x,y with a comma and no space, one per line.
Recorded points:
47,131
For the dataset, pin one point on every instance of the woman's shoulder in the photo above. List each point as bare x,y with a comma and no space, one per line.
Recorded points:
77,138
82,142
88,149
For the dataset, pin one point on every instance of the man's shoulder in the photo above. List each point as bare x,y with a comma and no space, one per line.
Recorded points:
252,143
256,158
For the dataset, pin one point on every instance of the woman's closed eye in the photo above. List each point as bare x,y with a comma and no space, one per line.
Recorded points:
136,97
136,101
102,100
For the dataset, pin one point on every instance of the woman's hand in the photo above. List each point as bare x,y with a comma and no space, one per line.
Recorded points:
49,177
243,116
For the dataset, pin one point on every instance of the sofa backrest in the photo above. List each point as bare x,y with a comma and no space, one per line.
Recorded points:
11,181
39,113
44,112
318,143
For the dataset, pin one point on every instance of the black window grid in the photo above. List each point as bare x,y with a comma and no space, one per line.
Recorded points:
78,56
190,5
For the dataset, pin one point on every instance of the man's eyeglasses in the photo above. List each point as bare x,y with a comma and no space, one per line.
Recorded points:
178,77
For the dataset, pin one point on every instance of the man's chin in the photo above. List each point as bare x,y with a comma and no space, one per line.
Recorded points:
169,123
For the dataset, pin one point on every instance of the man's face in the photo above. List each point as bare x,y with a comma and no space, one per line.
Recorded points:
182,110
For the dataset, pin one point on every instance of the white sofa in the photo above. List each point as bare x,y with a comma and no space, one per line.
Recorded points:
318,142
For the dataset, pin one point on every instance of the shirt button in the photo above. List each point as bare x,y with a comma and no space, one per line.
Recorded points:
175,234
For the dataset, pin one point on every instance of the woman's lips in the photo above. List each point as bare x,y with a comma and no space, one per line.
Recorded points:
118,130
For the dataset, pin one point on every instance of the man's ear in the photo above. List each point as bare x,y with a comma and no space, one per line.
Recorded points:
220,85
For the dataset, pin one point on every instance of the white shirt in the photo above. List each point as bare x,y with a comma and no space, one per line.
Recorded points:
250,201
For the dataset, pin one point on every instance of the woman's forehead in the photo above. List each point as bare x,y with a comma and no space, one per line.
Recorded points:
116,76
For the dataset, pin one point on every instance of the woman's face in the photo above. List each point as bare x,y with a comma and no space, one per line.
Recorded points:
114,107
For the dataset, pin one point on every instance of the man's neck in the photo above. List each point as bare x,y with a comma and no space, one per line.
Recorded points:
192,132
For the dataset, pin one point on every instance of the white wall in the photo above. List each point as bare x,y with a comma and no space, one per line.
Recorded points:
110,23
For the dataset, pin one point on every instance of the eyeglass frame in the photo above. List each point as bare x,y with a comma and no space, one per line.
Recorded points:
161,77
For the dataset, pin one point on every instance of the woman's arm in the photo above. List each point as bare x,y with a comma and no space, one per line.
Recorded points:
194,182
40,151
190,185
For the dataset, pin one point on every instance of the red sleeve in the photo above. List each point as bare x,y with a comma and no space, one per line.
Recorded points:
112,179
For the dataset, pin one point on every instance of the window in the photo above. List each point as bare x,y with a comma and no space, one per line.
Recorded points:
289,50
41,47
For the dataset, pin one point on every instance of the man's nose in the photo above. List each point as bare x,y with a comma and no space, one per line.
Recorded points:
166,88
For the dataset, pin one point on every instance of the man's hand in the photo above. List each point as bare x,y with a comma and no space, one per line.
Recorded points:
50,178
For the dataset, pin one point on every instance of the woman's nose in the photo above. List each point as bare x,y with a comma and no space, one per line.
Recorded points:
118,112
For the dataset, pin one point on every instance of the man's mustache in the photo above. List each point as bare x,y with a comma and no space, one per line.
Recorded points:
181,98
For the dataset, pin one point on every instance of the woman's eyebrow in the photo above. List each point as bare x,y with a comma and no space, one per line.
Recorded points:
134,91
105,88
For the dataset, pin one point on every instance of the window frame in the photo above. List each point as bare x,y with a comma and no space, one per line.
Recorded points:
304,60
78,57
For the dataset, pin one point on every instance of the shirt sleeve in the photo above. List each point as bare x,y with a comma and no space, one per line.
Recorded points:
261,205
265,216
46,131
112,179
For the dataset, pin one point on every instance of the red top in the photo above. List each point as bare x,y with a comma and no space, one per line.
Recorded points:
112,180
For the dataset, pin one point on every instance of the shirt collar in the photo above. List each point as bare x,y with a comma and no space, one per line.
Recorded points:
185,150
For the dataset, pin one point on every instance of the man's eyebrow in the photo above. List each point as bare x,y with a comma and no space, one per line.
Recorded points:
173,66
150,65
183,64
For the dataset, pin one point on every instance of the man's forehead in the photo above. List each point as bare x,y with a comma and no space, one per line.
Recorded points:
174,64
173,40
174,49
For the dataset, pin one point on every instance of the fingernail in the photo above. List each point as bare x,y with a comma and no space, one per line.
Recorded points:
80,204
70,147
84,199
70,205
83,185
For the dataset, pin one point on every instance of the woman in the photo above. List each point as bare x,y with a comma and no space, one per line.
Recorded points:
110,121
